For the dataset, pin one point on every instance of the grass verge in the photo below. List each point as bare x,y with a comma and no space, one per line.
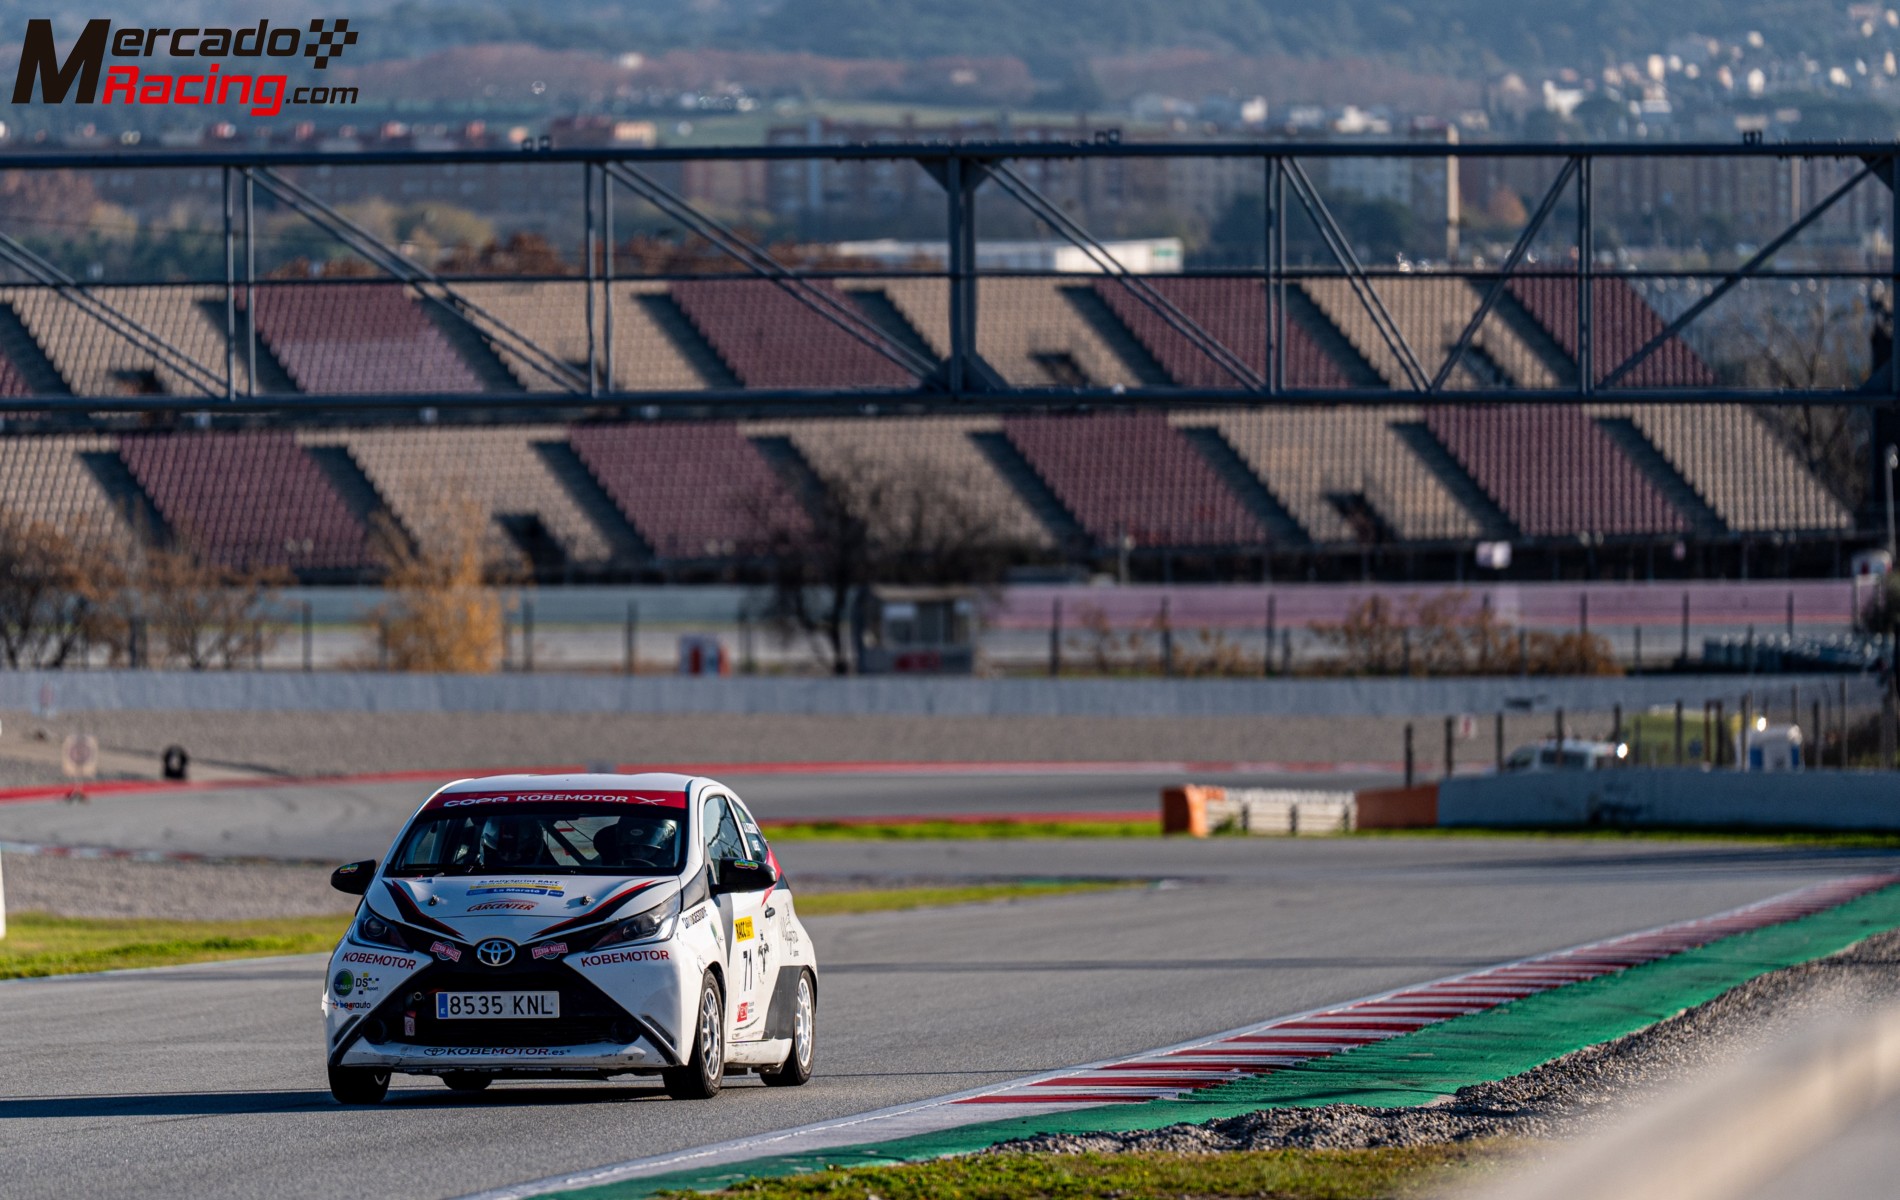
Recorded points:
37,944
870,900
1281,1174
874,831
1830,839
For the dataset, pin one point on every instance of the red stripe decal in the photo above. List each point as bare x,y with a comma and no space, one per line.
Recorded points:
600,911
414,914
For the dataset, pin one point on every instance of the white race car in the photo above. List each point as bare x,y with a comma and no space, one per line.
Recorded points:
541,926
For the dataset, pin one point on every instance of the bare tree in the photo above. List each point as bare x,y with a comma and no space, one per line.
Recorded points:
54,586
442,614
1807,338
204,615
876,521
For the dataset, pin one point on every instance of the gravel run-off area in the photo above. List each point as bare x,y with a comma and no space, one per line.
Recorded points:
255,890
335,743
1564,1098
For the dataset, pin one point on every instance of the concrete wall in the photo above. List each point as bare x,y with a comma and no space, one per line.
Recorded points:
1657,797
375,692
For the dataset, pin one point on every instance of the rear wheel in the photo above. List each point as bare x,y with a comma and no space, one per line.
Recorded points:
796,1068
466,1081
358,1085
703,1073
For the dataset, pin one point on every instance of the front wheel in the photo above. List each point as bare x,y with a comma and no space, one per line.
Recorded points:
705,1071
796,1068
358,1085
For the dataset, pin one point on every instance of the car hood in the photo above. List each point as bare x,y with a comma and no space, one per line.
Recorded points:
520,908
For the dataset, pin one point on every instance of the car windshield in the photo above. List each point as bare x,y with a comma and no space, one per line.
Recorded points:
582,839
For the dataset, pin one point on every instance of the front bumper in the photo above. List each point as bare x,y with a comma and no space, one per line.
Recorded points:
627,1028
429,1060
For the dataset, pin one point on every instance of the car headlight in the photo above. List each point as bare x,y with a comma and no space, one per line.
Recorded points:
655,924
378,932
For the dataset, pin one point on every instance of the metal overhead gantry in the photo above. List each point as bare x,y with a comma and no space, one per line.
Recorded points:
961,378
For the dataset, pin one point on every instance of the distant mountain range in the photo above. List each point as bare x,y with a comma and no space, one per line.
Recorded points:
1467,39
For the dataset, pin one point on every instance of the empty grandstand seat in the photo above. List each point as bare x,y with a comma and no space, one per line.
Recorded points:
94,360
1134,475
1752,480
44,479
1231,311
553,314
771,339
691,489
423,474
1310,458
356,338
246,499
1553,471
1431,313
1023,326
935,451
1622,323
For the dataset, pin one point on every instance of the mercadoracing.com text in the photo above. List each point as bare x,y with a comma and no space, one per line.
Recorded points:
78,75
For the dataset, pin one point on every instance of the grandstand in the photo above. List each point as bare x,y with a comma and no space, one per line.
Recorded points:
687,419
612,498
355,338
1234,313
692,491
250,499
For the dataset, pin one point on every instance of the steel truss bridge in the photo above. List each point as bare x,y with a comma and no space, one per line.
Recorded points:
1288,178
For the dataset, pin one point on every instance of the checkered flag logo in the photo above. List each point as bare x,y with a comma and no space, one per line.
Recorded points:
328,43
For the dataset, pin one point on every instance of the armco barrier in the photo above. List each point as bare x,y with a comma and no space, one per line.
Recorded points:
1670,798
291,691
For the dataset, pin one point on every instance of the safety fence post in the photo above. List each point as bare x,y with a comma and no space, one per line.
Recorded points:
1055,640
632,637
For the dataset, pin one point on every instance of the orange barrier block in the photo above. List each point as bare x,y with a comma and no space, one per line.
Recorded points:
1396,808
1184,808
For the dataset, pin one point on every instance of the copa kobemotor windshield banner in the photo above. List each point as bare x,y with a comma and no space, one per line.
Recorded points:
137,65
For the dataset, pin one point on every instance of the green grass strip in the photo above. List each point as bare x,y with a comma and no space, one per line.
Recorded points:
1410,1069
1385,1173
959,831
38,945
873,900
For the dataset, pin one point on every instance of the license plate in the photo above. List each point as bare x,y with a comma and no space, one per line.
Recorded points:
508,1006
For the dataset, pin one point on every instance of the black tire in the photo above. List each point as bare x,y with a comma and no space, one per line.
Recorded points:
705,1071
466,1081
358,1085
796,1068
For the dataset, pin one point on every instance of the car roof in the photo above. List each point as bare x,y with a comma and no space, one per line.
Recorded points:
580,781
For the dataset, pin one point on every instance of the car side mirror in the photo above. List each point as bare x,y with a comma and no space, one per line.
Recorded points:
353,878
742,875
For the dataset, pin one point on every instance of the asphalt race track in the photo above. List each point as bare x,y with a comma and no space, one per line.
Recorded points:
208,1082
345,821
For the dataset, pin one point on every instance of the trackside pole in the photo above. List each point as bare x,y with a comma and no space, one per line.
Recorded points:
3,896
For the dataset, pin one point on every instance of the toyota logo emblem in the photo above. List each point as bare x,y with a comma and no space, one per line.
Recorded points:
495,952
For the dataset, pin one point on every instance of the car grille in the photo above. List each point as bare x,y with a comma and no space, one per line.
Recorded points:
587,1014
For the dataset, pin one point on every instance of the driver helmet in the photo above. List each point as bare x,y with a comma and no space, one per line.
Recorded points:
633,838
511,842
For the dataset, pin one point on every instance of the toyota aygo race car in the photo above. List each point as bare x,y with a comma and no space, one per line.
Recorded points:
538,926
